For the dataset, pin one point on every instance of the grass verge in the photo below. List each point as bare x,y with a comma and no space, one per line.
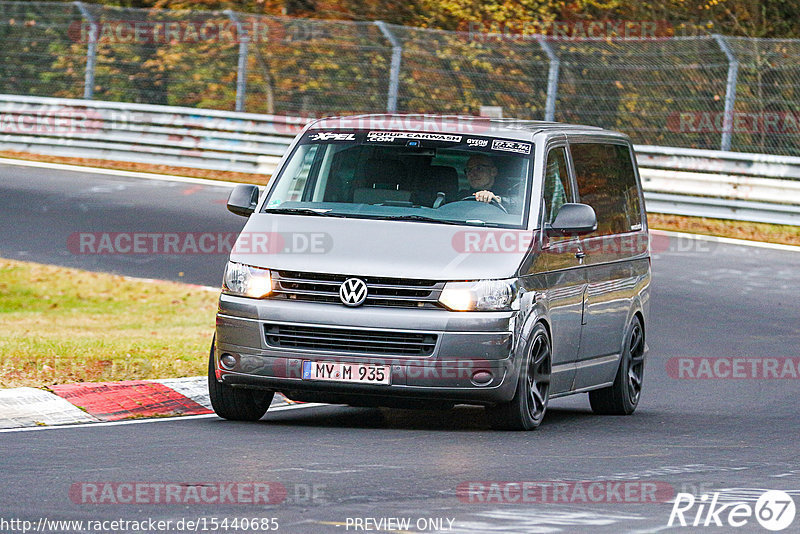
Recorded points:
768,233
65,325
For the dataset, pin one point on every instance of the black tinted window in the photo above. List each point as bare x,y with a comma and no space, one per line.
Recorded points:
606,182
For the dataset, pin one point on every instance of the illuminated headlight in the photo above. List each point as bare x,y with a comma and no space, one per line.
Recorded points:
246,281
481,295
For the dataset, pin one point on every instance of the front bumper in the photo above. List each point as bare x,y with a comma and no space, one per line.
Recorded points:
467,343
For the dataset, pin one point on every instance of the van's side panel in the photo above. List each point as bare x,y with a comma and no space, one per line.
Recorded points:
614,281
562,279
562,297
617,267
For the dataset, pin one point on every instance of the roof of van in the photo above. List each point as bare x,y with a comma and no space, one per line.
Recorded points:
515,128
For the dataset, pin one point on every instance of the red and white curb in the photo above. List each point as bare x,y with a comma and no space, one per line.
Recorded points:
106,401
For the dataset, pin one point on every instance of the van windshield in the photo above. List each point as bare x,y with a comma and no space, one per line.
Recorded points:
415,176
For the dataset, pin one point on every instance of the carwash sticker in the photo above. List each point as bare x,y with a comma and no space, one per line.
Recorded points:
388,137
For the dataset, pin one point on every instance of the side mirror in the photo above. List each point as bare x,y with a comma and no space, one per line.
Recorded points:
243,200
574,219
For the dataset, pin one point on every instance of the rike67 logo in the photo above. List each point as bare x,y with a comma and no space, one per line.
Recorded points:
774,510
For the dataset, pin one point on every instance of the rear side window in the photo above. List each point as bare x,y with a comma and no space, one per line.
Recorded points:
606,181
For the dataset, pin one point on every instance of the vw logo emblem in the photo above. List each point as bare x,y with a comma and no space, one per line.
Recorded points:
353,292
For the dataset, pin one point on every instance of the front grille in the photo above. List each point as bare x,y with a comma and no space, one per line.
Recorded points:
394,292
359,341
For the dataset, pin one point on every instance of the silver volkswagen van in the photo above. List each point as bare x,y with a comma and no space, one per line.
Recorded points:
416,260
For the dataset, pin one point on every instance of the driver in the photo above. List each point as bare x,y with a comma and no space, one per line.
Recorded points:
482,173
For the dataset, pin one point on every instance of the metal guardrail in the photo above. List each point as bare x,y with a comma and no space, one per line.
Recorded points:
705,183
143,133
721,208
724,185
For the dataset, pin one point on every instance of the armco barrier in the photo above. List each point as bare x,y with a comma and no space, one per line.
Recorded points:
161,135
726,185
708,183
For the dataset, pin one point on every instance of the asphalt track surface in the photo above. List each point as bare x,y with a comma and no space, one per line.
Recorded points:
733,436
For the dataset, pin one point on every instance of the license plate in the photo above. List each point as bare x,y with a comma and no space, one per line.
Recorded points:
347,372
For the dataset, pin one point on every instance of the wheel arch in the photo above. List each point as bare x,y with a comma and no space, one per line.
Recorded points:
536,316
636,310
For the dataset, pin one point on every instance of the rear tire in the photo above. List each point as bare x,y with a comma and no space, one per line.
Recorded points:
234,403
526,410
623,396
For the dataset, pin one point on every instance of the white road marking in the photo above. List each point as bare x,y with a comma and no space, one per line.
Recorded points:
539,520
653,530
154,420
114,172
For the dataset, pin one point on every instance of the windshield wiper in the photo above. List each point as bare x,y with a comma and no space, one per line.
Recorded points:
304,211
416,218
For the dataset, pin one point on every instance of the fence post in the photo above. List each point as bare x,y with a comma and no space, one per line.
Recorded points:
241,69
394,73
552,78
730,92
91,52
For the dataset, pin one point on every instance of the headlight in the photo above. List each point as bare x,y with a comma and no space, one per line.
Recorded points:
246,281
481,295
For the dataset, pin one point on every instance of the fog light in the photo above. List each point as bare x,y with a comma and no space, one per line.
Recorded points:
481,378
228,361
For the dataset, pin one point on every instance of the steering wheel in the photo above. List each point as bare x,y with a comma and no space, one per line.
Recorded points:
494,203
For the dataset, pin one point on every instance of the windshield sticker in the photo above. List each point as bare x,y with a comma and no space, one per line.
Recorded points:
383,137
477,142
511,146
332,136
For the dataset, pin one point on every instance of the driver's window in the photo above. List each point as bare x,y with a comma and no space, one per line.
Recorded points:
557,188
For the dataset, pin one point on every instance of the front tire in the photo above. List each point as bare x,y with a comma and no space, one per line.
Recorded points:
526,410
234,403
622,397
